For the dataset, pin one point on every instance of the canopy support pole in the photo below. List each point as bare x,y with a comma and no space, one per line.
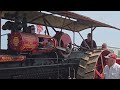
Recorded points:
73,39
0,29
46,27
50,24
84,40
92,29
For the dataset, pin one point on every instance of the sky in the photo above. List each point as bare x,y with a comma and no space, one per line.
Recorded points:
100,35
104,35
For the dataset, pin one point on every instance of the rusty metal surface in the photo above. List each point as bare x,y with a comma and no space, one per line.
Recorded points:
37,72
81,22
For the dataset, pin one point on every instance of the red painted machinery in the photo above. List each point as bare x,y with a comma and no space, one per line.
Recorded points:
30,55
34,43
23,42
64,44
118,60
10,58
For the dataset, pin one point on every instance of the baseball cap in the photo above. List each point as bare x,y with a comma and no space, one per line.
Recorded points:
111,55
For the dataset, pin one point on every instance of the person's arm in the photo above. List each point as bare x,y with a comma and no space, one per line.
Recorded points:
82,44
94,44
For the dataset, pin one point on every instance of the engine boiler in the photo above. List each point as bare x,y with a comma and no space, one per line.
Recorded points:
27,42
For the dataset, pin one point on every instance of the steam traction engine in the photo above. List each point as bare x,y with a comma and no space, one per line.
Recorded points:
26,49
30,55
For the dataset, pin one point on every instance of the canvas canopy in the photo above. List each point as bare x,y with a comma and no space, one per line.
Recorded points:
58,19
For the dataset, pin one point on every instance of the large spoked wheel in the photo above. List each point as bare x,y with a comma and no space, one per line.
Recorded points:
91,65
64,41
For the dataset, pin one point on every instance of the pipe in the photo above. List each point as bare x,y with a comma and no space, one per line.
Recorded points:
57,63
69,74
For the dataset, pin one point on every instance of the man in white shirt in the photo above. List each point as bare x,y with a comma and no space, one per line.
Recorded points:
112,69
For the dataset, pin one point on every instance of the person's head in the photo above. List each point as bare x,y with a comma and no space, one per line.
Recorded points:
110,59
89,37
104,46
